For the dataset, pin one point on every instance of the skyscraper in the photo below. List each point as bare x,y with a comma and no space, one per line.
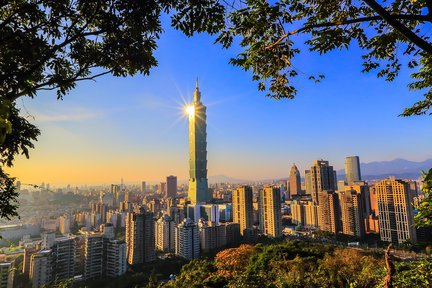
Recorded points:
270,215
352,169
328,211
140,237
294,181
171,186
198,183
143,187
243,207
322,177
352,216
395,216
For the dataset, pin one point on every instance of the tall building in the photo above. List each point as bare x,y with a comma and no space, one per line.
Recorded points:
165,234
322,177
352,216
143,187
41,268
270,214
328,211
212,235
63,256
140,237
187,241
115,257
294,181
171,186
198,183
162,188
64,224
242,205
395,215
93,256
298,216
308,182
6,275
352,169
311,214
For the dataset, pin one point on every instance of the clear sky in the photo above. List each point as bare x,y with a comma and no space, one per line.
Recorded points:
134,127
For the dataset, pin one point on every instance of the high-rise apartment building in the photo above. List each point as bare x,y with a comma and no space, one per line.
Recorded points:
311,214
171,186
198,183
140,237
41,268
64,224
165,234
328,211
93,256
352,169
270,214
187,241
395,215
294,181
352,216
242,206
115,263
322,177
212,235
298,216
63,258
6,275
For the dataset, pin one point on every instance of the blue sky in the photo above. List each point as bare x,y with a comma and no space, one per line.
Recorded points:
134,127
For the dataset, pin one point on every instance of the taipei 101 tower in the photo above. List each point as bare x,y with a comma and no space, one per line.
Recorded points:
198,183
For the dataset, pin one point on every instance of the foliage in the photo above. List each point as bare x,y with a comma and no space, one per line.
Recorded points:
424,216
230,262
288,264
392,34
414,274
8,196
197,273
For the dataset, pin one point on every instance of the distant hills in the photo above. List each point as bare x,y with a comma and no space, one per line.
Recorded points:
400,168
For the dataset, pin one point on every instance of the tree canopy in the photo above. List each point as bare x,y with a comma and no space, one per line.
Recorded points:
54,44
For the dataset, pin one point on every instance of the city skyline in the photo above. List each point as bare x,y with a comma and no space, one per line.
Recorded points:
131,127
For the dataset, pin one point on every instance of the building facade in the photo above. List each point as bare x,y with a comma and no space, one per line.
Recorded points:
140,237
242,207
270,215
294,182
198,183
352,169
395,215
187,239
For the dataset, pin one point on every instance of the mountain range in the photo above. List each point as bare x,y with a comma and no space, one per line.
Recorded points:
399,168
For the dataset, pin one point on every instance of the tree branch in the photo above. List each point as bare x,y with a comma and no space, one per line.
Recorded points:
405,31
348,21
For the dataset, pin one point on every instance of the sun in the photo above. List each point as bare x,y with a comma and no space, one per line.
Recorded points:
190,110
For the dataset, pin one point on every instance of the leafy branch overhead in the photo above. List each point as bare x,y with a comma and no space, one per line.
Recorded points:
392,34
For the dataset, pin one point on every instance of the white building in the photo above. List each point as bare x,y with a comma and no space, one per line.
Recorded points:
165,234
187,240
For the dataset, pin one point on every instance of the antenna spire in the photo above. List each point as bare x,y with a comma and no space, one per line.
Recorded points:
197,93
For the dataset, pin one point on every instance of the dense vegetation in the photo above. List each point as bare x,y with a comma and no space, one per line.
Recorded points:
298,264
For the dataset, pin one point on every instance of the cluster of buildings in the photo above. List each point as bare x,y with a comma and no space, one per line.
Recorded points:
352,206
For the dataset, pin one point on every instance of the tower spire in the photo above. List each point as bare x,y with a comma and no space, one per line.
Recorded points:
197,93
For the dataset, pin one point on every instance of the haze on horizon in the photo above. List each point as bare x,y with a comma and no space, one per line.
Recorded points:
135,128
